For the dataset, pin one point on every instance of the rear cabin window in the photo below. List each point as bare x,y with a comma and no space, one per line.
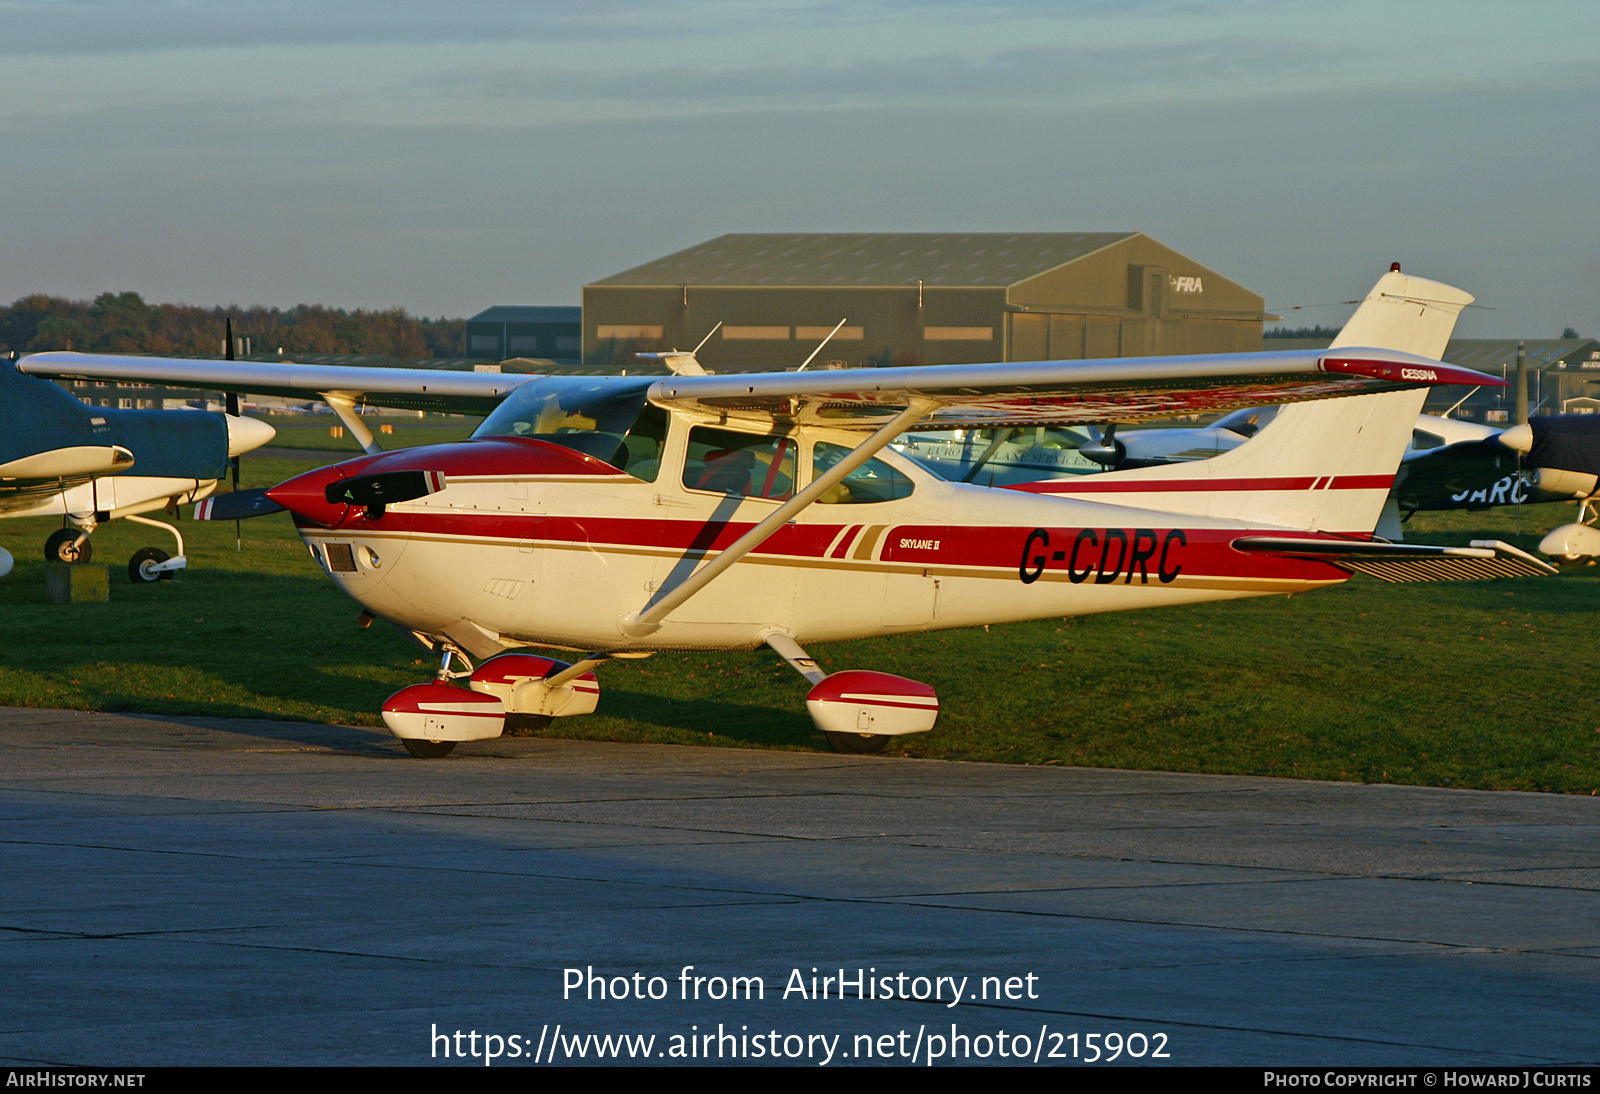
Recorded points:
871,482
603,418
740,463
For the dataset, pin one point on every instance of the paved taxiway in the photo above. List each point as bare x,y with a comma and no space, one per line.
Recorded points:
211,891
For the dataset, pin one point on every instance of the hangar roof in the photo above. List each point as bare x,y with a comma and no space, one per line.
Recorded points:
1482,354
869,258
515,313
1485,354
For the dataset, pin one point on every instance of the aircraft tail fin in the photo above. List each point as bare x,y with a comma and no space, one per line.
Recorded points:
1405,313
1325,465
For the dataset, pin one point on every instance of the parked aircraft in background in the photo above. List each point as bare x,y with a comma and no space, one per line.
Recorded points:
88,465
615,517
1563,460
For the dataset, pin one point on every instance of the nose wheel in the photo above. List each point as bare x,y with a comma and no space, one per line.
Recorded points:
428,750
857,744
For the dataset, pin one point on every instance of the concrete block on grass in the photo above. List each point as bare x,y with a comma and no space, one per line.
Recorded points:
77,583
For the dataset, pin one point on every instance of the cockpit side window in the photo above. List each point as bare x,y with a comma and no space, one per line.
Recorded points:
603,418
747,464
873,481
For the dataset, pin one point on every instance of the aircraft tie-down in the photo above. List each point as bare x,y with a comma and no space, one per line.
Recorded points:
614,517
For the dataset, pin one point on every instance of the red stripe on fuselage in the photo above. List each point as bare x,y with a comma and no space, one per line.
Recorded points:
1127,555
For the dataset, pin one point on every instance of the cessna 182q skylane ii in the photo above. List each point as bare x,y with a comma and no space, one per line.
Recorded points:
617,516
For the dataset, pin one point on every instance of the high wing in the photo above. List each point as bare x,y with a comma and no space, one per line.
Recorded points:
401,388
1125,389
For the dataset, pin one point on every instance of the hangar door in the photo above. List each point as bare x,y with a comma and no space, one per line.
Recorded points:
1041,336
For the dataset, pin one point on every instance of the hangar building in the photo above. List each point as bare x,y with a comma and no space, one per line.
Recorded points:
512,331
919,299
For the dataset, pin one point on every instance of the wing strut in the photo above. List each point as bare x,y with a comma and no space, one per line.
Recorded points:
648,619
344,405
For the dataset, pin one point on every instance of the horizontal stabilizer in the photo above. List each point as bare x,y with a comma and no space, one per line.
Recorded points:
1398,562
236,506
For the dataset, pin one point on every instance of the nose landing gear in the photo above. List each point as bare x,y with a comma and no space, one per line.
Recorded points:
431,718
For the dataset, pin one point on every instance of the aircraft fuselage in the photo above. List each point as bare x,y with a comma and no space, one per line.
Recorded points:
530,543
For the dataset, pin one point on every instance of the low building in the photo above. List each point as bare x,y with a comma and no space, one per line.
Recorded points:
507,331
918,299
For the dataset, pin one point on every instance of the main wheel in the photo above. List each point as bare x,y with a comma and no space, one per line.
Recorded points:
526,725
142,557
427,750
62,546
857,744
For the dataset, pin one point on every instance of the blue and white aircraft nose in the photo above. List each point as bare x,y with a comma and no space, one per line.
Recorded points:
247,434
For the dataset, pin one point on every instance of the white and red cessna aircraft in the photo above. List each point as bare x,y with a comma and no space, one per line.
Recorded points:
612,517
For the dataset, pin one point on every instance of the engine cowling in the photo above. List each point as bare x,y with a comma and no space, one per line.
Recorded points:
1553,480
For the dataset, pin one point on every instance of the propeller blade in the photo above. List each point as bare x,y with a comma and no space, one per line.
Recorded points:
230,405
236,506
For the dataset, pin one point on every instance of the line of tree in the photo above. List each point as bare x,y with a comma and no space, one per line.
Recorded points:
125,323
1300,332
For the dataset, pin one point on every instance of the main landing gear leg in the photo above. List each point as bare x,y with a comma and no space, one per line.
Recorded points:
150,564
838,736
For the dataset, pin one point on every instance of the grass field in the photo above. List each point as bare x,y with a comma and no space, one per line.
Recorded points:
1470,684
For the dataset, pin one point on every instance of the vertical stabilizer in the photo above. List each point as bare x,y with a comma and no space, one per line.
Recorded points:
1405,313
1326,465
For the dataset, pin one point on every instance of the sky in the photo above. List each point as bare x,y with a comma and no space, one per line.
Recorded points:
445,157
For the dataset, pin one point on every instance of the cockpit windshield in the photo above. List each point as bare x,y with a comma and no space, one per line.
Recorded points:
604,417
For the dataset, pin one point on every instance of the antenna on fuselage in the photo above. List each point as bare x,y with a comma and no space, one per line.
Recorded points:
822,343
